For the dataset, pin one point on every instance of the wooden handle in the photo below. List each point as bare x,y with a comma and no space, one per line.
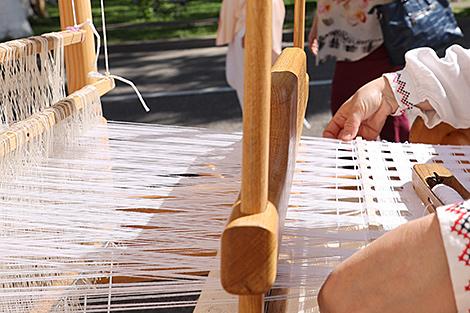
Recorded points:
256,106
299,24
79,59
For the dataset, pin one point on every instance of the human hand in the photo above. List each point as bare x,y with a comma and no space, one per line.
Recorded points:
405,270
313,36
363,114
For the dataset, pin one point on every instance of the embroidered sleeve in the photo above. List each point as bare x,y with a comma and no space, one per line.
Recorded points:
403,90
454,222
444,83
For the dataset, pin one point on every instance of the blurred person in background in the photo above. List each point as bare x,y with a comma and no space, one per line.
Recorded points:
231,32
345,31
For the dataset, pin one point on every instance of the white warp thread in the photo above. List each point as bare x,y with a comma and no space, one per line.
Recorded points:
30,82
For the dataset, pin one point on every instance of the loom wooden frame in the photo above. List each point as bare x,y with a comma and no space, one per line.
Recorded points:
274,109
251,238
79,62
275,106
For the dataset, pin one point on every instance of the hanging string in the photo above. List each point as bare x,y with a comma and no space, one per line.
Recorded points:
78,27
105,38
106,61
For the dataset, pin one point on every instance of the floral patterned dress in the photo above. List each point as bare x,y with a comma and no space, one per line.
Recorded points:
346,29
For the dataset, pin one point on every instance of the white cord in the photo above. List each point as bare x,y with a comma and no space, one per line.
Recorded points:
74,13
77,27
106,61
105,38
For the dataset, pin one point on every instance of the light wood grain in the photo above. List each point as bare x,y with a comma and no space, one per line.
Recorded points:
289,101
442,134
420,175
250,241
36,124
69,37
251,304
299,24
256,106
249,251
79,59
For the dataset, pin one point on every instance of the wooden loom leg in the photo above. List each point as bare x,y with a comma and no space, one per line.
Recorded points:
79,59
251,304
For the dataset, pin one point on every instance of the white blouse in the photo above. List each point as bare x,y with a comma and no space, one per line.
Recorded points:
445,83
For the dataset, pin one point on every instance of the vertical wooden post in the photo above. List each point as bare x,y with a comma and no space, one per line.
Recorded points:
251,304
79,59
299,24
256,113
256,106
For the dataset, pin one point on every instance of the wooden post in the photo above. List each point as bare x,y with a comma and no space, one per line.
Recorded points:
251,304
299,24
79,59
256,106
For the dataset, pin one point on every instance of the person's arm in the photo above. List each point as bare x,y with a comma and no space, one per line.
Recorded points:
405,270
437,88
444,83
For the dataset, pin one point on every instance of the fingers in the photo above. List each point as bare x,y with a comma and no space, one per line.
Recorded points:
313,43
350,127
334,126
343,126
314,47
364,114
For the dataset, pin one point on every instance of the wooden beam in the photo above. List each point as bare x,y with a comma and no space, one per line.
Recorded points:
256,106
70,38
80,59
36,124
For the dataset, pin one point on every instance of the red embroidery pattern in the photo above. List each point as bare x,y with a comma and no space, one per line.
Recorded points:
405,95
462,227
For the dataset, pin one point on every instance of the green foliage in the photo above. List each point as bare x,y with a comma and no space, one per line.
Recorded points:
140,20
147,8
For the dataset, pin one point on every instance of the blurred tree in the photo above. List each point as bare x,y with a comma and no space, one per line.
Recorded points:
14,19
150,7
147,7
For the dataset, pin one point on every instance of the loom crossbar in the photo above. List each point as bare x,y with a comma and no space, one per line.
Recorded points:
41,122
69,38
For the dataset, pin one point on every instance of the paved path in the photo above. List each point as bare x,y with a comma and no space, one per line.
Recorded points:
184,84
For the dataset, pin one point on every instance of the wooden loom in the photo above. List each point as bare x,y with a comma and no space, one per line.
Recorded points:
274,111
274,108
289,96
251,239
79,61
